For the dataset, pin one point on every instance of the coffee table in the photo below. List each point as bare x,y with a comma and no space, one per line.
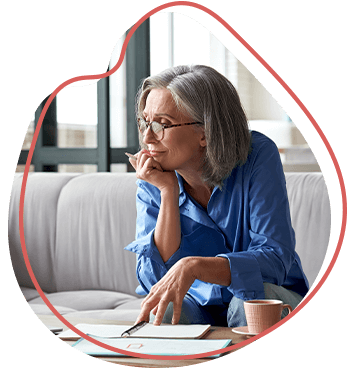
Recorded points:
214,333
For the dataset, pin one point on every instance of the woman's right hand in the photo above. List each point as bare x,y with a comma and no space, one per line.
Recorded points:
149,170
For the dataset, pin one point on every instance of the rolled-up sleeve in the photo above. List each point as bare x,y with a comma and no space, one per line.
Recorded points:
271,246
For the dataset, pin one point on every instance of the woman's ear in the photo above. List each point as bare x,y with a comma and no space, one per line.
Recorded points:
202,138
203,141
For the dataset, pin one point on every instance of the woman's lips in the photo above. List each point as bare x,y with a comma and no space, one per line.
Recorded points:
155,153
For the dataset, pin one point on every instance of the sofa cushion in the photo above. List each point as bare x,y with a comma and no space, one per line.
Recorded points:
96,219
118,315
90,304
29,293
40,215
42,309
86,299
129,314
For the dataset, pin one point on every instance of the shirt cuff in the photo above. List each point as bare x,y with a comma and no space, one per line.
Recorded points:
145,246
246,278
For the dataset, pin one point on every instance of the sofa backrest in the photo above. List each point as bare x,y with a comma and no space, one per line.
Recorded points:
311,219
76,228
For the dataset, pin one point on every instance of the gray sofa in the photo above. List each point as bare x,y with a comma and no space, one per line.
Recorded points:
77,225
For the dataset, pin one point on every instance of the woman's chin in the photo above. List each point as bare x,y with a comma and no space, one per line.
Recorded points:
166,168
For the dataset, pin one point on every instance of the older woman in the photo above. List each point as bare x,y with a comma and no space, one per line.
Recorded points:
213,219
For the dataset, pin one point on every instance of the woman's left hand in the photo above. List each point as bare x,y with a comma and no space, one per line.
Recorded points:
171,288
149,170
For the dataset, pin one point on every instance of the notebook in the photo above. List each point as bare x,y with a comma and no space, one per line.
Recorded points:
147,331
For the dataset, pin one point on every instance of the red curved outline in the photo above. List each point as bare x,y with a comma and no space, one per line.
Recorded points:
114,69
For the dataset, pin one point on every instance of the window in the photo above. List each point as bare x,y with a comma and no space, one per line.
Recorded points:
118,108
185,41
76,111
29,135
89,128
117,96
169,43
176,39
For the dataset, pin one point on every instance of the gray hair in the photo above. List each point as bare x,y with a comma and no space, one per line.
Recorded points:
207,97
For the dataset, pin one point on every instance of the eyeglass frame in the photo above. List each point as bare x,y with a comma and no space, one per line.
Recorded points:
149,124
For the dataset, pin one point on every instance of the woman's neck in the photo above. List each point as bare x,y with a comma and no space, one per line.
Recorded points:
196,188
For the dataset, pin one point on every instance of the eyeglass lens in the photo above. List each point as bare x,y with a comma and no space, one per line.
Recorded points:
157,128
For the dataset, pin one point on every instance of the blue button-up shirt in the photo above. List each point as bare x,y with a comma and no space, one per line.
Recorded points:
247,221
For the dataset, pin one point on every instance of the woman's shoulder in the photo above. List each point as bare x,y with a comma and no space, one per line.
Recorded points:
259,140
261,145
262,148
263,159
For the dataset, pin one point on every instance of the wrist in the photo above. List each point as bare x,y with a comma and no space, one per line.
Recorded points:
170,191
192,265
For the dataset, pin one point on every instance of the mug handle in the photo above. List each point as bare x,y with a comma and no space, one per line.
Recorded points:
288,307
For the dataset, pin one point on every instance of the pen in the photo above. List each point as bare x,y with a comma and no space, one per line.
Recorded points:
133,329
131,156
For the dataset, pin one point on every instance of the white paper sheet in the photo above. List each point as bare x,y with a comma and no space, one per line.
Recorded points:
161,347
148,331
106,331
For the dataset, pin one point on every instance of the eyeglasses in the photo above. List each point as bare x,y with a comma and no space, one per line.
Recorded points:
158,128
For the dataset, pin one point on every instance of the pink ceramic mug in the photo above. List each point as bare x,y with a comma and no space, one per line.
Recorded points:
262,314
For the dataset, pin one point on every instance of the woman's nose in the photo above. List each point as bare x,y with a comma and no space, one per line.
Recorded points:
148,136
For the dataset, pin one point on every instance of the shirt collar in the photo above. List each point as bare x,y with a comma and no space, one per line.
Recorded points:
182,194
190,209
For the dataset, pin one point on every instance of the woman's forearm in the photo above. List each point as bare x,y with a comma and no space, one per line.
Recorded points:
214,270
167,234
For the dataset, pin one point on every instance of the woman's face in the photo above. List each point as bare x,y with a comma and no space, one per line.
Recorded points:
181,147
